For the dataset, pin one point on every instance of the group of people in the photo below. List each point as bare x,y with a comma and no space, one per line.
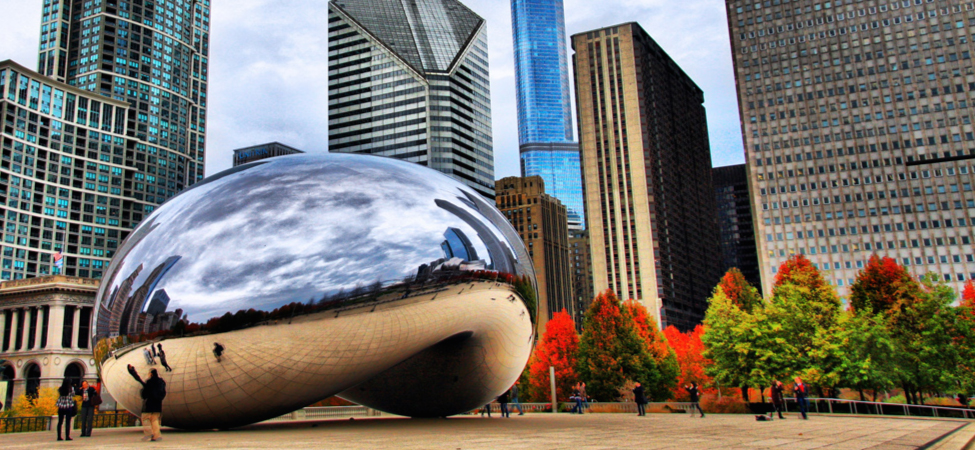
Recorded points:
800,391
509,396
68,408
640,398
151,353
579,397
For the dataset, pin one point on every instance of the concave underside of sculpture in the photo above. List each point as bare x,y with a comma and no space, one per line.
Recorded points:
380,281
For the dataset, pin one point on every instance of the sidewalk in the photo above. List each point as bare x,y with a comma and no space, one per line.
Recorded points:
545,431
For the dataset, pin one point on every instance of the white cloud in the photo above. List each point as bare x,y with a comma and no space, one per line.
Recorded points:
269,67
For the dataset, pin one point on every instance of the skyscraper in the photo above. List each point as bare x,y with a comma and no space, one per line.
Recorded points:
857,125
647,172
409,79
735,222
542,224
544,107
258,152
153,55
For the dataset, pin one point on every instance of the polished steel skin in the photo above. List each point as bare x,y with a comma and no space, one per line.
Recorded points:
378,280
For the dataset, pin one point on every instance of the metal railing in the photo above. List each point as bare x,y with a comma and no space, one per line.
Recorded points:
841,406
593,407
25,424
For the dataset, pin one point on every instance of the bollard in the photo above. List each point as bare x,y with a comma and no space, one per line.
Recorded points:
551,376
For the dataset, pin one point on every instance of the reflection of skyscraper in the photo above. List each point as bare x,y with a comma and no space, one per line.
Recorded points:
457,245
502,259
408,79
132,305
158,303
544,112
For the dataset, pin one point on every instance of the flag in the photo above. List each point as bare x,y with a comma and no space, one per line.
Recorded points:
58,259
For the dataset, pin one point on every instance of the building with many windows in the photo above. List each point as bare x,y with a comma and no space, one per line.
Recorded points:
263,151
857,125
45,333
735,222
544,107
580,264
409,79
647,175
542,223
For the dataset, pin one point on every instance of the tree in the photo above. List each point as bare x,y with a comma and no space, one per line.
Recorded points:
866,347
610,350
739,291
656,344
689,351
745,347
557,348
880,284
798,270
968,294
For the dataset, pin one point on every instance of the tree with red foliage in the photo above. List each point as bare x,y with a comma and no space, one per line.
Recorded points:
799,271
557,348
739,291
689,351
968,295
663,355
880,285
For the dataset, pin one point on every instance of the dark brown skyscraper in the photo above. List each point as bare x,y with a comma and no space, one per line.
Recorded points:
647,174
735,222
542,222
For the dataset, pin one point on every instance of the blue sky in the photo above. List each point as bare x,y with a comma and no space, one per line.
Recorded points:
269,67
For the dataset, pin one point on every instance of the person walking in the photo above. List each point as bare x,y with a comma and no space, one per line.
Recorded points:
66,409
162,358
777,393
153,393
503,400
583,397
148,356
577,398
89,400
800,391
514,398
641,400
486,409
695,394
217,350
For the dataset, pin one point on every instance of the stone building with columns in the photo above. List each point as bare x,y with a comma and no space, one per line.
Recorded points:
45,326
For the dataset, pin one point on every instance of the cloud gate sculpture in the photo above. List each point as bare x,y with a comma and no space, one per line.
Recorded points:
380,281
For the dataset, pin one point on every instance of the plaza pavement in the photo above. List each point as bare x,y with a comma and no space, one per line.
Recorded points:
547,431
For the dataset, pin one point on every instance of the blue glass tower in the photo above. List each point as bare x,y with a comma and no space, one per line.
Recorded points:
544,110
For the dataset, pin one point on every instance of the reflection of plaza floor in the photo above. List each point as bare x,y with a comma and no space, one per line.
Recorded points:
541,431
318,355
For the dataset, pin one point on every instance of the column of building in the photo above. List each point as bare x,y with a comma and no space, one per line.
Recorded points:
75,328
55,328
38,326
13,329
25,332
3,328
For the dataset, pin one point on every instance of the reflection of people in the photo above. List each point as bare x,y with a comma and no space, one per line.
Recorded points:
217,350
162,358
88,397
153,393
66,409
149,359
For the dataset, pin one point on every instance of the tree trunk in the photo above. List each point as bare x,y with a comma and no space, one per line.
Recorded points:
862,398
907,394
744,393
761,393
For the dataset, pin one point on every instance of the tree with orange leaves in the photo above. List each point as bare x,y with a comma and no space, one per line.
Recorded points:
739,291
968,294
799,271
880,285
689,351
663,355
557,348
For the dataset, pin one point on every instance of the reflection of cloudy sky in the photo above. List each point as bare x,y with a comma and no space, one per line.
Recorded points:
296,228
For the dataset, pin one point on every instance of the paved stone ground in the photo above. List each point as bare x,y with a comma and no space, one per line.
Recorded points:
537,431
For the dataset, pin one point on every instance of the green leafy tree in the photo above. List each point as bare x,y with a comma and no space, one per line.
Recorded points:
662,354
866,346
611,352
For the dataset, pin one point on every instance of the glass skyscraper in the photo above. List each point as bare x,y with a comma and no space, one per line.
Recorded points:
544,109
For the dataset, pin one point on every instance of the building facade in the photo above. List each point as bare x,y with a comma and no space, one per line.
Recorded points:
263,151
45,333
542,223
152,55
580,264
647,175
735,222
544,108
857,124
409,80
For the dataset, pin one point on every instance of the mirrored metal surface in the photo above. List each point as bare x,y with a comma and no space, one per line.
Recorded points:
279,283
